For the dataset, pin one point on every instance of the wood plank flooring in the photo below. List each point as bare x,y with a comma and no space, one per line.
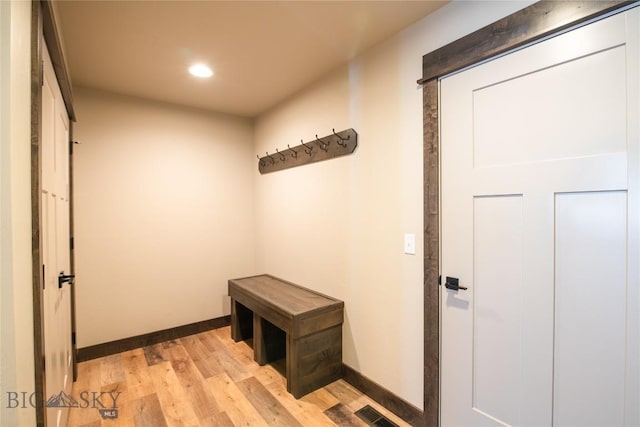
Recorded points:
205,380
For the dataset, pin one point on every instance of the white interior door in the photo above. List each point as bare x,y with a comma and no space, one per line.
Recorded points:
540,222
55,246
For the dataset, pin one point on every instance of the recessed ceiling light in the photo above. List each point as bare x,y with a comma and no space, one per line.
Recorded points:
200,70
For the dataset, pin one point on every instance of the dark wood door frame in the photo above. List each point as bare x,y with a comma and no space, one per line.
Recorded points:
538,21
43,26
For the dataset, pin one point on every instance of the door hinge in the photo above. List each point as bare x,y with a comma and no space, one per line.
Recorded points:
440,280
44,278
73,338
41,72
71,243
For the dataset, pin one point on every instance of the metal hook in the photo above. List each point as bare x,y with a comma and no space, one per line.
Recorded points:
323,145
295,153
341,139
282,157
261,161
270,158
307,149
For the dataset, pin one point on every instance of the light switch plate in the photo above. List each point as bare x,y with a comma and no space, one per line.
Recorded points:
410,244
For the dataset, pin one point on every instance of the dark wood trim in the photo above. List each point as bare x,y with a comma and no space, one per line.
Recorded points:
431,255
52,37
384,397
36,243
126,344
533,23
72,260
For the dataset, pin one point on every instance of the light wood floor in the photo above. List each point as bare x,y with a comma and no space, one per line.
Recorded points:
207,380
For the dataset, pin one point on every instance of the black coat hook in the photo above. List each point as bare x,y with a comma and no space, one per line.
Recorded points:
341,141
282,157
307,149
295,153
270,158
323,145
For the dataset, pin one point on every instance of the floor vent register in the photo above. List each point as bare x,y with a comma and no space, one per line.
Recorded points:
374,418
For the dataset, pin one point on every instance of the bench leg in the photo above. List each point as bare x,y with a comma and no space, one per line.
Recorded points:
235,322
314,360
293,379
259,348
241,326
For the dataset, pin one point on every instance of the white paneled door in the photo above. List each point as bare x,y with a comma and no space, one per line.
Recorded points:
55,248
540,222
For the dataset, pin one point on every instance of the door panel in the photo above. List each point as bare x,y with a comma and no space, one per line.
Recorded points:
587,130
590,306
497,325
540,223
61,163
55,246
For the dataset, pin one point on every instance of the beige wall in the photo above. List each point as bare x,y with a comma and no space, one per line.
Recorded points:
338,226
164,214
169,204
16,318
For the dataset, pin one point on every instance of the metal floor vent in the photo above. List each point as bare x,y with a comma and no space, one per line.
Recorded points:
374,418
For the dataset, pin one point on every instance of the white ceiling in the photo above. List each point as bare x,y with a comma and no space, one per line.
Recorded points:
261,51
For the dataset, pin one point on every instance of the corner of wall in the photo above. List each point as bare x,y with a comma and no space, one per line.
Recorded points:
17,363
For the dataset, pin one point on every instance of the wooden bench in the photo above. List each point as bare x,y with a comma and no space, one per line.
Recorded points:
287,320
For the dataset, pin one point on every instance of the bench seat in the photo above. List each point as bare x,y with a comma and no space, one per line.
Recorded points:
287,320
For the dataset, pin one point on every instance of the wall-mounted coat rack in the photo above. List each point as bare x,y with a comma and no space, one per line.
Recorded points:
320,148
